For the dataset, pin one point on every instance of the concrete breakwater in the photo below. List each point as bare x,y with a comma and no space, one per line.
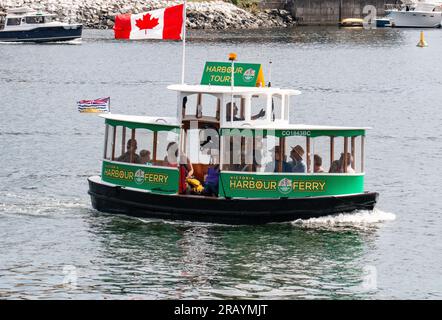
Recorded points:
100,14
327,12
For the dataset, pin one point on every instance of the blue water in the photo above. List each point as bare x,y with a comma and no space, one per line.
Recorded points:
54,245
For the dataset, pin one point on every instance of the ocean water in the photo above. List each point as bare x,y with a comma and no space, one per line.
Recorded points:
54,245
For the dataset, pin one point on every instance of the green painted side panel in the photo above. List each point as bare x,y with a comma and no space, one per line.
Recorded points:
292,133
288,185
155,179
149,126
219,74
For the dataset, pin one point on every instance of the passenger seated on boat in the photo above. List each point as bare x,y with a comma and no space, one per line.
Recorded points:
261,113
171,158
317,164
211,181
297,164
131,148
273,166
145,157
337,166
185,166
349,164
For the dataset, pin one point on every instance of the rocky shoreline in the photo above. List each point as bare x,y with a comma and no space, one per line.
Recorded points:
215,15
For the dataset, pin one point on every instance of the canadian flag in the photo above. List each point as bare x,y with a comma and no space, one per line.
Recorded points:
164,23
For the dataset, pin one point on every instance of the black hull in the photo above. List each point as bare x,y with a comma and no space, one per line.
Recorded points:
114,199
43,34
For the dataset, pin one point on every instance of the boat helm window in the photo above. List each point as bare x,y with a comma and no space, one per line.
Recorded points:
237,112
35,20
13,22
258,105
200,105
276,108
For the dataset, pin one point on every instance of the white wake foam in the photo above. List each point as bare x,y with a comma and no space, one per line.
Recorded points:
356,219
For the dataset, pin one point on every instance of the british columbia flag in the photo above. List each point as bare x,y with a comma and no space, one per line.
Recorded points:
94,106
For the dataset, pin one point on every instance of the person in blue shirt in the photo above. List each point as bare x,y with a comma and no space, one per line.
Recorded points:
297,164
273,166
211,181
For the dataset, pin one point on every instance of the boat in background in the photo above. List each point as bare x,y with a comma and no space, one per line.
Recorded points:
27,25
383,22
352,23
359,23
415,14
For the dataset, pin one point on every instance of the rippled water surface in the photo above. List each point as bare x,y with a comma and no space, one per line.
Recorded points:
54,245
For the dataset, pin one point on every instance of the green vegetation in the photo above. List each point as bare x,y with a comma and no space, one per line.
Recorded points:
250,5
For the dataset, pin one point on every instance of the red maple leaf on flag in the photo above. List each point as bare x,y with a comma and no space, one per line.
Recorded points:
146,23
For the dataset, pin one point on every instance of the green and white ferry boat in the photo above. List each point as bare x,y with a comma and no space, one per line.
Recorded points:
230,156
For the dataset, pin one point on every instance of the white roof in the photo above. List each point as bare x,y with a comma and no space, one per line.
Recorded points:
295,127
20,12
164,121
227,89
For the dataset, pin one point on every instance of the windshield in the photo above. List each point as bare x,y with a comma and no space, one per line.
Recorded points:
35,20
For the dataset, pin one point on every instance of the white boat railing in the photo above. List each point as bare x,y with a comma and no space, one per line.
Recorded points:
414,6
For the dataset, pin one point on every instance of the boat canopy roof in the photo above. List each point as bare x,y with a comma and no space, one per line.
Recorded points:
20,12
151,123
228,90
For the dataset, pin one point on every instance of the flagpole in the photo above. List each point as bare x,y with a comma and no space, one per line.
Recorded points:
184,44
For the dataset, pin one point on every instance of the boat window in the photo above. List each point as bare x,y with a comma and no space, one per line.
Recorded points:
165,149
201,106
139,146
201,144
276,107
332,150
13,22
248,154
144,139
237,112
298,153
258,107
320,149
295,154
126,147
108,141
35,20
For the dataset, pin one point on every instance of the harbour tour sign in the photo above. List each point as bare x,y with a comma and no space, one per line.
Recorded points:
245,74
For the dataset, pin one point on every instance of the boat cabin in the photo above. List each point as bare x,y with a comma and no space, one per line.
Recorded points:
245,135
23,17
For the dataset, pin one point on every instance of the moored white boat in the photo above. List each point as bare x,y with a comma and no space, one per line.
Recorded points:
416,14
26,25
